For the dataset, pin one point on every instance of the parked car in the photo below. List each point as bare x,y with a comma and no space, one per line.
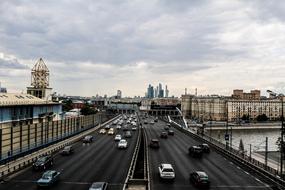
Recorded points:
48,178
42,163
118,127
156,119
102,131
163,135
118,137
145,121
154,143
125,128
134,128
123,144
205,147
67,150
200,179
111,131
166,171
87,139
152,122
170,132
166,128
128,134
195,151
98,186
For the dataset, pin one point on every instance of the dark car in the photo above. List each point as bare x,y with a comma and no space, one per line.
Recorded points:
156,120
205,147
42,163
154,143
125,128
200,179
48,178
163,135
195,151
170,132
87,139
98,186
128,134
67,150
166,128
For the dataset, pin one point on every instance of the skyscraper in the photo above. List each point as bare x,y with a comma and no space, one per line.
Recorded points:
166,92
150,92
160,91
119,94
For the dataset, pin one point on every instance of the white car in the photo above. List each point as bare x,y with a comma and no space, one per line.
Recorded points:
134,128
118,137
166,171
111,131
118,127
123,144
102,131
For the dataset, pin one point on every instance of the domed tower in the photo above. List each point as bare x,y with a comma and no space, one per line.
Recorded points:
40,81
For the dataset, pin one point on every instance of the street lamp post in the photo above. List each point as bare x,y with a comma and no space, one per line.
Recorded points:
227,127
282,146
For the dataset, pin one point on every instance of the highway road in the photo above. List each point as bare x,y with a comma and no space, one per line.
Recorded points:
97,161
222,173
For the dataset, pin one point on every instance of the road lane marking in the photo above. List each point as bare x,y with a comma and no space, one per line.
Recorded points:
64,182
246,172
231,163
238,167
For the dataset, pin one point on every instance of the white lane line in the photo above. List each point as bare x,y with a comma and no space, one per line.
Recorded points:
246,172
238,167
257,179
240,187
231,163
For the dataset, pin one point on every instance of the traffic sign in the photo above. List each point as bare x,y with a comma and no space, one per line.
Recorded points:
227,137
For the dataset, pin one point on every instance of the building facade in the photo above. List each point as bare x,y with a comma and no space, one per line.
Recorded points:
219,108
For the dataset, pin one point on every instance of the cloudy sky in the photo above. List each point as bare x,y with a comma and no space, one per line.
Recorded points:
96,47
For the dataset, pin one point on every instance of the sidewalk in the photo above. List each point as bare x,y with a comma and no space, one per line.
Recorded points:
270,162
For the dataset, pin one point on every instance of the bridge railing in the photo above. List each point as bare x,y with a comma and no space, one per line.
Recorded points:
25,161
271,175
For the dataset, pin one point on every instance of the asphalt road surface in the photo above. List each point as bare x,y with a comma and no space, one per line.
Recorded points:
98,161
223,174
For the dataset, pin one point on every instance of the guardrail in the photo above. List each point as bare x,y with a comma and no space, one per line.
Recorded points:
21,163
267,173
131,179
134,157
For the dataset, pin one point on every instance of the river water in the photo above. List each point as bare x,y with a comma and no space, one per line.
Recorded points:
255,137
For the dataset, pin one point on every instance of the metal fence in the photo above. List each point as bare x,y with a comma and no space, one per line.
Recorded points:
20,140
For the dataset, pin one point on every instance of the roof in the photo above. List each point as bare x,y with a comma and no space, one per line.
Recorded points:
19,99
167,166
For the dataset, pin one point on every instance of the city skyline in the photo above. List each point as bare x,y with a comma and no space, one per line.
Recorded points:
240,46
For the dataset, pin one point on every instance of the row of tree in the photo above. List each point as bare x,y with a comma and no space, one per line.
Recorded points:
260,118
87,109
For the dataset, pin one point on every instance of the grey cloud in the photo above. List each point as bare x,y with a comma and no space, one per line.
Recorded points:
11,64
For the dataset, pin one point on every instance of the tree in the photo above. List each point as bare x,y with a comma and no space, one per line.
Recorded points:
262,117
67,105
87,110
245,117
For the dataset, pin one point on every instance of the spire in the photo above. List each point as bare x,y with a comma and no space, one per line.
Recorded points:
40,75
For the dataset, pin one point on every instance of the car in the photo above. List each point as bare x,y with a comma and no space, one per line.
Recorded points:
125,128
118,127
134,128
98,186
156,119
87,139
145,122
166,128
166,171
111,131
152,122
200,179
42,163
163,135
102,131
195,151
170,132
118,138
154,143
205,147
123,144
48,178
128,134
67,150
107,127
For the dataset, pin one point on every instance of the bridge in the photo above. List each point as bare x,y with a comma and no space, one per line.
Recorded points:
137,166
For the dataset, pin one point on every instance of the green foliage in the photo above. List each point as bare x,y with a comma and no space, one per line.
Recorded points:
88,110
245,117
67,105
262,117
